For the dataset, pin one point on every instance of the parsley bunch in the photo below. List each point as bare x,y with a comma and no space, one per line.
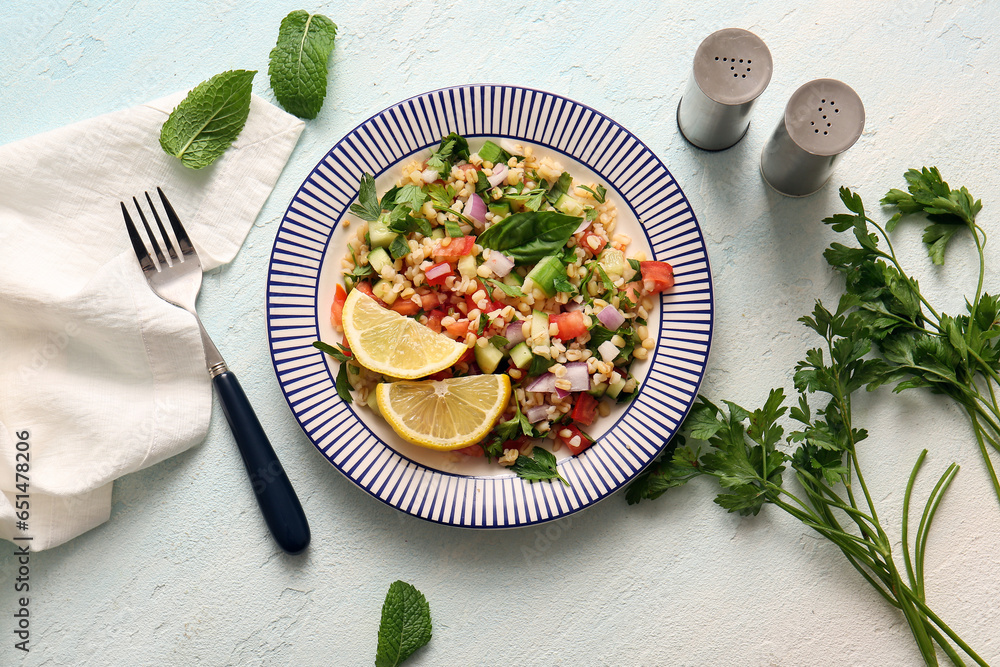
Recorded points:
882,311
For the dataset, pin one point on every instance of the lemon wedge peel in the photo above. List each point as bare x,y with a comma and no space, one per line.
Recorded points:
386,342
444,414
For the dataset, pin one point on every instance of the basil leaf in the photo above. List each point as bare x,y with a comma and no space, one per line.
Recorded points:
530,236
559,188
490,152
298,62
209,119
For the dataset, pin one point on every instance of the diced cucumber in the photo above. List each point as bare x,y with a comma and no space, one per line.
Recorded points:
501,207
379,234
513,280
568,205
488,357
546,272
372,401
467,266
615,387
437,233
520,355
383,290
379,259
613,262
598,389
539,327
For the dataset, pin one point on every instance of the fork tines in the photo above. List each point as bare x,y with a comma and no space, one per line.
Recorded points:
139,246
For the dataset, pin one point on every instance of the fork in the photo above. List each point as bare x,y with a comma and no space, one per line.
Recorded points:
177,281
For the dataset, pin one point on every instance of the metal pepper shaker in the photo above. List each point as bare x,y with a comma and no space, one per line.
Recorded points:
822,120
732,67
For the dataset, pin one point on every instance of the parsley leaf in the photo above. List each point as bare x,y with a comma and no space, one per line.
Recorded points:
399,247
599,195
405,625
337,353
368,206
541,467
509,290
412,196
452,148
298,62
209,119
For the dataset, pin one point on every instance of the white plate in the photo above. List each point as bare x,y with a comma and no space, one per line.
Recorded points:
305,267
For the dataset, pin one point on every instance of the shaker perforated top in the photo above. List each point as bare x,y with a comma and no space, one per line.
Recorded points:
825,117
732,66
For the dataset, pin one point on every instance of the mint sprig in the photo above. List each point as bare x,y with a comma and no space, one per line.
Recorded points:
405,626
209,119
298,62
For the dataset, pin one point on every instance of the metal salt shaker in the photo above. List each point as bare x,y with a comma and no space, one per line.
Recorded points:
732,67
822,120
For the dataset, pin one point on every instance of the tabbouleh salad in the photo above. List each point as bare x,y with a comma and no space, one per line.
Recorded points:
502,250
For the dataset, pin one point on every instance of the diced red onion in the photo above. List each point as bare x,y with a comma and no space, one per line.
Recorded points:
499,263
545,383
499,174
536,413
579,378
573,305
561,393
437,271
583,225
514,333
608,351
611,317
475,208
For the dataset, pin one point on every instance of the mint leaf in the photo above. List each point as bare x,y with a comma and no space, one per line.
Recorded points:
209,119
298,62
405,626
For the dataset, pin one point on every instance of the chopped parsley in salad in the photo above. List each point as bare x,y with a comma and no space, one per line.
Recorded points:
502,250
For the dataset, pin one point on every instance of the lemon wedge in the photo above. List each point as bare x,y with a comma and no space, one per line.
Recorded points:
386,342
444,414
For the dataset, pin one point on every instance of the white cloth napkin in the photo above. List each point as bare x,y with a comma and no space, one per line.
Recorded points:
98,375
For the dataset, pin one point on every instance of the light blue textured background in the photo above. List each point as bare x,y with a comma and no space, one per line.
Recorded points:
185,572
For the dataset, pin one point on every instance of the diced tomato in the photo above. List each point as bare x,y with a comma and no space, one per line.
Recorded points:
405,307
584,410
656,276
337,309
571,325
457,329
633,291
434,320
472,450
430,301
456,248
517,443
490,306
366,288
592,243
583,440
467,357
437,274
441,375
346,347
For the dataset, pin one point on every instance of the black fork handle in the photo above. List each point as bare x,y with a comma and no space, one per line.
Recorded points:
275,495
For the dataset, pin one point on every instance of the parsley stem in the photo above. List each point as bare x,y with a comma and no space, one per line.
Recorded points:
919,604
907,560
986,455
